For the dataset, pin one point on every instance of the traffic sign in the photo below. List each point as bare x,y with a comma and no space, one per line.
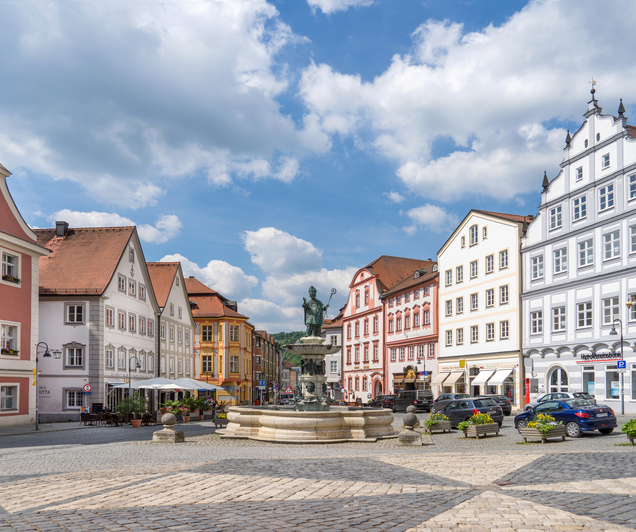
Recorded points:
289,389
87,387
86,393
622,364
262,383
275,386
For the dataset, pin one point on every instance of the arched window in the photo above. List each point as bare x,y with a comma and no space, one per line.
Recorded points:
558,380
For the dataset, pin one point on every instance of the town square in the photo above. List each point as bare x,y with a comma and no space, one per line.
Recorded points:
317,265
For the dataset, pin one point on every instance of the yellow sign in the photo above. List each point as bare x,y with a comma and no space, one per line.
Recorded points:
34,377
462,363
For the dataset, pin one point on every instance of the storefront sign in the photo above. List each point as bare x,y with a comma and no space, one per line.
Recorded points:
598,357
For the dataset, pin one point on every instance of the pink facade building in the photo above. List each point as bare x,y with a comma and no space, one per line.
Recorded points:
364,325
18,311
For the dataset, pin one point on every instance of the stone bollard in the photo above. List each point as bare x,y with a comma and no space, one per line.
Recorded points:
168,434
409,436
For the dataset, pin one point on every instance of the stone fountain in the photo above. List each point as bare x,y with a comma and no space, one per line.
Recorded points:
312,419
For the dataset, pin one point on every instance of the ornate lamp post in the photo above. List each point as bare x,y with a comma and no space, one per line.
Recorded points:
129,369
35,380
614,333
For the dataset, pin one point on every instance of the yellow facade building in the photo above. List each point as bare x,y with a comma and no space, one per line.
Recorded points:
224,340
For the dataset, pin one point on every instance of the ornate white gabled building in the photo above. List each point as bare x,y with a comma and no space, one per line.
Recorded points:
579,256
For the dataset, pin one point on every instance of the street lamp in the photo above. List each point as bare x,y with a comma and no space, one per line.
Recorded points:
614,333
129,369
35,379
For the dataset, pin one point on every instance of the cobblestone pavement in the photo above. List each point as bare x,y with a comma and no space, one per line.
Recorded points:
115,479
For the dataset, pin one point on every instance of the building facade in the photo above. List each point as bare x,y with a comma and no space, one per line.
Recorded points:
480,307
265,367
410,325
176,324
19,311
580,257
332,333
225,343
363,345
98,307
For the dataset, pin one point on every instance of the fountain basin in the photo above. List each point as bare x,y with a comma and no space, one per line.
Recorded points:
282,425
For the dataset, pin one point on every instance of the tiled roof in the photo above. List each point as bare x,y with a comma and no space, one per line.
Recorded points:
411,282
83,261
194,286
394,270
632,131
162,276
514,217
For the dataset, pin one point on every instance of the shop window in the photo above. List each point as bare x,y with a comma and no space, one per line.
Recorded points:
612,382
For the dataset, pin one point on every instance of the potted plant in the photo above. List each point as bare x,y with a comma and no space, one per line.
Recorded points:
190,404
173,407
133,408
629,429
11,279
220,417
478,425
437,423
9,351
201,405
542,427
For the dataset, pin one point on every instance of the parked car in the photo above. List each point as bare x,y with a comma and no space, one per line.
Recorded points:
448,396
502,401
578,416
383,401
559,396
421,399
459,410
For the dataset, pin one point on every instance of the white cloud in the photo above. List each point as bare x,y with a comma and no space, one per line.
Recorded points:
276,252
289,290
432,218
331,6
271,317
167,226
492,97
199,97
231,281
395,197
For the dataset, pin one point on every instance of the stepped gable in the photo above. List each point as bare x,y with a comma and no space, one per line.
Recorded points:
393,270
83,261
162,276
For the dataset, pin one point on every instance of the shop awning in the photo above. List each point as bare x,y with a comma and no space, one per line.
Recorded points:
483,376
453,378
498,378
440,378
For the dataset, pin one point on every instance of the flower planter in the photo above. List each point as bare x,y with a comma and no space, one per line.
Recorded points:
186,419
534,434
220,422
136,423
441,426
477,431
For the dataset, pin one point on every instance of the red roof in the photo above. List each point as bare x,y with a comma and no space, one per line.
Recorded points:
83,261
394,270
162,276
632,131
208,302
194,286
514,217
411,282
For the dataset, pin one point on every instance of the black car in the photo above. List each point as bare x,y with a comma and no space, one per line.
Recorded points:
421,399
382,401
463,409
448,396
502,401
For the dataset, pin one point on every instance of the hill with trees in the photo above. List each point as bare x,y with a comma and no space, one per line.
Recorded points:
284,338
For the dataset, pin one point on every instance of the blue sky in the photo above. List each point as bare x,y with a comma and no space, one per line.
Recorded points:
274,145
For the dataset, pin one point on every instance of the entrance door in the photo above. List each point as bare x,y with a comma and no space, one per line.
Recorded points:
377,390
558,380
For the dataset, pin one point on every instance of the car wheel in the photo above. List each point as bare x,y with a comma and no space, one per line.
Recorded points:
606,431
522,423
573,430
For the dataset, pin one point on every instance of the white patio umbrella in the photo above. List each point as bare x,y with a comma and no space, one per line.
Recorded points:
192,384
151,384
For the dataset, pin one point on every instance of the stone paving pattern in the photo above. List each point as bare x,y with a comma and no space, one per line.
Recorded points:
114,479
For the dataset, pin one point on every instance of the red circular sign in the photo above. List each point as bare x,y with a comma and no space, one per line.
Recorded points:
87,387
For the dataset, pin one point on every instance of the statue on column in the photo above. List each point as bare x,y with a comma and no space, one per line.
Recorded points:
314,313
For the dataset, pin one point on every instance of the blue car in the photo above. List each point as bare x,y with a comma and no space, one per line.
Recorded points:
577,415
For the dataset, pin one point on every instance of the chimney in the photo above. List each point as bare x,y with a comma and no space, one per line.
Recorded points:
61,228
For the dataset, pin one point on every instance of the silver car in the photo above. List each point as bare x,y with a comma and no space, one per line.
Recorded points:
559,396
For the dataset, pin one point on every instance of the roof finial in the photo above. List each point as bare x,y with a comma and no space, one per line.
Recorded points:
593,91
568,139
621,109
546,181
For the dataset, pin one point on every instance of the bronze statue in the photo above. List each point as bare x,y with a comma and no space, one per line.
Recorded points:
314,313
